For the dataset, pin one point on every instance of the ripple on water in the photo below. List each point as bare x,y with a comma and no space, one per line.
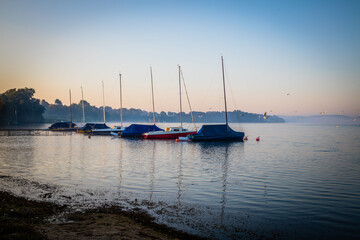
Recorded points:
296,183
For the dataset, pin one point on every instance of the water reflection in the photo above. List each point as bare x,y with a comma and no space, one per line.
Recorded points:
152,170
224,168
24,147
70,155
120,158
223,187
180,175
82,157
218,155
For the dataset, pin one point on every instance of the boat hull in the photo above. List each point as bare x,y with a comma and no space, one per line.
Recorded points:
166,135
90,127
106,132
131,135
83,131
137,130
217,133
216,139
63,129
102,133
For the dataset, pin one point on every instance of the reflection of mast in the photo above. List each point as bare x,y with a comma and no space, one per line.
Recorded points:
152,173
69,162
180,175
120,165
224,182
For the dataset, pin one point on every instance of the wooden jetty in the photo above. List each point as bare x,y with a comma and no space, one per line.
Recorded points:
30,132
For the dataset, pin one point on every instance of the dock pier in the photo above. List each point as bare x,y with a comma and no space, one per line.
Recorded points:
30,132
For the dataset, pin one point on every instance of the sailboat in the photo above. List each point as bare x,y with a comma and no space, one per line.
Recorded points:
218,132
96,128
83,110
115,130
64,126
136,130
171,132
118,129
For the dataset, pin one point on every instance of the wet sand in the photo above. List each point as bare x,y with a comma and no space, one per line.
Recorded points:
25,219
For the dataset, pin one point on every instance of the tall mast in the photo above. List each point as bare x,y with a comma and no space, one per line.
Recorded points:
180,96
103,100
152,90
187,97
82,103
70,112
121,113
222,64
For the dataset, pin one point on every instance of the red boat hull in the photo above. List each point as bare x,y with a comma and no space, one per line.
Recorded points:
168,136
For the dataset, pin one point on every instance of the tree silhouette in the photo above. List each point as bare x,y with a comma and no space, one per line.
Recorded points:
19,106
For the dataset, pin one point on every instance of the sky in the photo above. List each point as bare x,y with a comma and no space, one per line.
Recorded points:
281,57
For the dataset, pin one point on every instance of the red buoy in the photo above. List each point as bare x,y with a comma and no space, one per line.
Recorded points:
245,138
258,139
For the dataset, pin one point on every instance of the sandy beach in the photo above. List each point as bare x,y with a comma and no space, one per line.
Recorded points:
25,219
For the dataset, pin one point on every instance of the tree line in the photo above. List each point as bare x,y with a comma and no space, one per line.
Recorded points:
18,106
59,112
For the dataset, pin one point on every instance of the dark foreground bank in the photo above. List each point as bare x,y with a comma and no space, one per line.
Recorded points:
25,219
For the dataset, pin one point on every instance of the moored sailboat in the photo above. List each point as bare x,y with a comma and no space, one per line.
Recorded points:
91,127
171,132
98,129
137,130
115,130
218,132
121,128
65,126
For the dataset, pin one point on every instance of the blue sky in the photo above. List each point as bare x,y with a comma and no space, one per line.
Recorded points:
310,49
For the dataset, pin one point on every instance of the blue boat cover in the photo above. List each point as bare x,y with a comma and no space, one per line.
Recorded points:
60,125
220,132
136,130
90,126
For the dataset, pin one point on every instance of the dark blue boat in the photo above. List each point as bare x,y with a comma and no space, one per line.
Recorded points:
63,126
136,130
87,128
219,132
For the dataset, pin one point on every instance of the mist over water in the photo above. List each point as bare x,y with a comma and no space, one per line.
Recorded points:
299,181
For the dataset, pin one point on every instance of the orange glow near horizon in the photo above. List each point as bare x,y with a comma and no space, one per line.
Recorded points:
268,55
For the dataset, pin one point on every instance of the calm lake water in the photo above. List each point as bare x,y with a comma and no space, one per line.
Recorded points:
299,181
